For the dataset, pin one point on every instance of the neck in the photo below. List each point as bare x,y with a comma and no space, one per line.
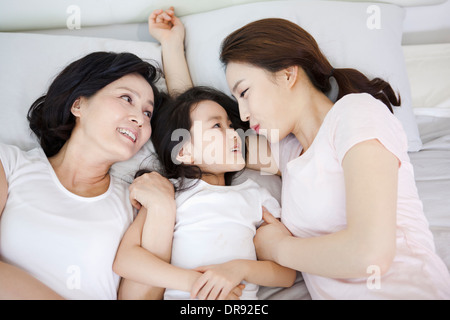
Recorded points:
214,179
80,172
310,117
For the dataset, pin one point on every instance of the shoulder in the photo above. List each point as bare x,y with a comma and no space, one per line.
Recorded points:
360,106
359,117
12,156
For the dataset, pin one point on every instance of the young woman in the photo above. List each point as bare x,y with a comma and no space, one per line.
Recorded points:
62,215
199,149
352,221
349,195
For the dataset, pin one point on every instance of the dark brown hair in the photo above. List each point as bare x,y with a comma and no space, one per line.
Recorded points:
275,44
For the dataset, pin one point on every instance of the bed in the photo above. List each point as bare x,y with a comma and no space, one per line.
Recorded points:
380,38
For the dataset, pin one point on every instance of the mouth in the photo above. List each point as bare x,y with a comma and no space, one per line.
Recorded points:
256,128
129,134
236,148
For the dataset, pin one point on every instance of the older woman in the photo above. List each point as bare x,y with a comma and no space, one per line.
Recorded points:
62,215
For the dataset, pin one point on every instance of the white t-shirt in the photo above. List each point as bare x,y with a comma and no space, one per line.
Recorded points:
66,241
313,200
216,224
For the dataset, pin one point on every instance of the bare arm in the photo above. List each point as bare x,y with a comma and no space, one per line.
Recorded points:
149,269
371,177
165,27
218,280
14,282
143,257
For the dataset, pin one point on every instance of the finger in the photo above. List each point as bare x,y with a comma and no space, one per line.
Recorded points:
136,205
215,293
154,14
166,16
267,216
202,269
170,11
159,19
224,293
204,292
198,285
236,292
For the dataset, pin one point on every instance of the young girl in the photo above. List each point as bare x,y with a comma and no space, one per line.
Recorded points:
215,222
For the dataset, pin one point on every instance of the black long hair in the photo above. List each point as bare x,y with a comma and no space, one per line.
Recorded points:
50,116
177,115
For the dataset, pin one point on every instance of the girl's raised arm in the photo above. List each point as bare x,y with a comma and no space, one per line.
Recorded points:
168,29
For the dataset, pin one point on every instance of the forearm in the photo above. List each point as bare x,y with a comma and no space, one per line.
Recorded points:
176,71
17,284
157,233
139,265
268,273
157,238
337,255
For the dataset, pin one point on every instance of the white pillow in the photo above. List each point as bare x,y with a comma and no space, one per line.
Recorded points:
428,68
346,32
29,63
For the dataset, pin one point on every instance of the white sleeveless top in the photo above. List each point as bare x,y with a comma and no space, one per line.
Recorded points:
66,241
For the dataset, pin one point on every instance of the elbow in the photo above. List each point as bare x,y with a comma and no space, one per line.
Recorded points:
118,265
377,261
288,280
291,279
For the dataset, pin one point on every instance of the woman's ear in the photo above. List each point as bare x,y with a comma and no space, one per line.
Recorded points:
76,107
185,154
291,75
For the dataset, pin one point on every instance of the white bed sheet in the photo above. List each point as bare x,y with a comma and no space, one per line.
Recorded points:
432,174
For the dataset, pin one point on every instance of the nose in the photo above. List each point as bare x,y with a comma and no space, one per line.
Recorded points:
233,136
244,113
137,117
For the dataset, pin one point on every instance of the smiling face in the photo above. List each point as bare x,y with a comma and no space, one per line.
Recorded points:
214,145
262,98
116,120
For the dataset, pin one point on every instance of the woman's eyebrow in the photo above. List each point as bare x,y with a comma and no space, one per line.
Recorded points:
236,85
136,93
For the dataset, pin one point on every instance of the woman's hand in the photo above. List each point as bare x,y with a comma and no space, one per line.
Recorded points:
165,27
268,237
220,281
150,190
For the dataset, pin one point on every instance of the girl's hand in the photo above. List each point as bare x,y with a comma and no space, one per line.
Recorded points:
218,281
268,236
151,190
165,27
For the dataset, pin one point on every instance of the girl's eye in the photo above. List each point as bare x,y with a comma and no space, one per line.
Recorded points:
243,93
126,98
217,125
148,114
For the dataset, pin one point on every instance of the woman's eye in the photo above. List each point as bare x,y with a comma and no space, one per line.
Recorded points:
126,98
243,93
217,125
148,114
